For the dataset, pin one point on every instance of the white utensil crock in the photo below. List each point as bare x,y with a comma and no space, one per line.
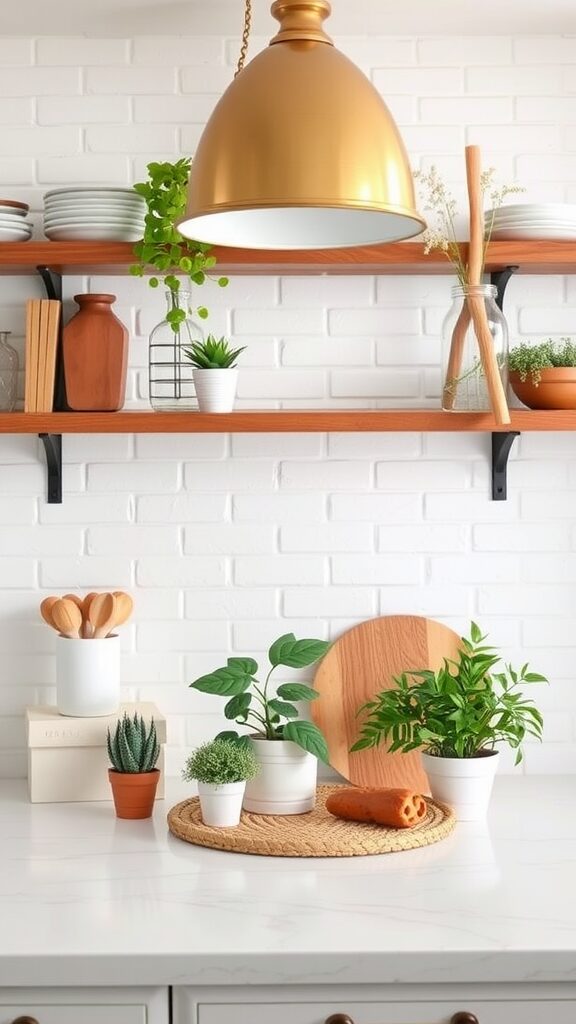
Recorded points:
88,676
221,806
215,389
464,783
286,782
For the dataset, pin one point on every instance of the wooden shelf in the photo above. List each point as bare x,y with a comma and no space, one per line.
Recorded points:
531,257
280,421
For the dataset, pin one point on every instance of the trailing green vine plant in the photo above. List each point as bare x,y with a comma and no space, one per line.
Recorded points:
163,249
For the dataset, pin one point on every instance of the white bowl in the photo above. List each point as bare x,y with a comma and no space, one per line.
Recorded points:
13,235
93,234
101,219
562,210
14,222
94,204
538,233
91,191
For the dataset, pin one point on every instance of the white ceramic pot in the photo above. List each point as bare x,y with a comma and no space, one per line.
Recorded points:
88,676
221,805
464,783
216,389
286,782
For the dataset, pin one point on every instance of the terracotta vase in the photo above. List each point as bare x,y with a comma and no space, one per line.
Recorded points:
556,390
134,794
95,349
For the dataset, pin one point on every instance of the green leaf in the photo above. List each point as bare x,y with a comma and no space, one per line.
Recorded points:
225,682
308,736
283,709
297,691
247,666
234,737
202,312
293,653
238,706
222,282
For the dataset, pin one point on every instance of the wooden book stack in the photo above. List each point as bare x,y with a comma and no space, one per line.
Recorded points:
42,325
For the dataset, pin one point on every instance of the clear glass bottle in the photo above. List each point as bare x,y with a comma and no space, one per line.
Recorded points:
8,374
171,387
464,386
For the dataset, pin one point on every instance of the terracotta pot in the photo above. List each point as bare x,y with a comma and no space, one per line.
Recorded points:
95,350
134,794
556,390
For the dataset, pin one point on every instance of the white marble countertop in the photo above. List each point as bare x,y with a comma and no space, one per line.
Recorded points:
87,899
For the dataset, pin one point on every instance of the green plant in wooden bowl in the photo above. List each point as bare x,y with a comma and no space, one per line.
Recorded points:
163,249
456,716
133,750
286,744
543,375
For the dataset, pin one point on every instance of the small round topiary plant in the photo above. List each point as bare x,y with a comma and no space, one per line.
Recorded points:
529,360
221,762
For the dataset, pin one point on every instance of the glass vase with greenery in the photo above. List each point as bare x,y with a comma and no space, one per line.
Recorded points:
460,711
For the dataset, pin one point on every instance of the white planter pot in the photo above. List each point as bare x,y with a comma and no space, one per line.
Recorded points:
216,389
88,677
286,782
464,783
221,805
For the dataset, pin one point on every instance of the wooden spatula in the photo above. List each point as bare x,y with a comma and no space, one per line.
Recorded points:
67,618
124,606
102,615
46,610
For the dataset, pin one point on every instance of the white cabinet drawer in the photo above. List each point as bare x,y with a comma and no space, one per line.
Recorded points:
85,1006
413,1005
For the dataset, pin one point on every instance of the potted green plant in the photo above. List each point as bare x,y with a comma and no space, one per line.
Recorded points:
543,375
214,372
221,768
456,716
169,256
286,745
133,750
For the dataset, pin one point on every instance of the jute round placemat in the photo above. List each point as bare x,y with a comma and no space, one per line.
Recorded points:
316,834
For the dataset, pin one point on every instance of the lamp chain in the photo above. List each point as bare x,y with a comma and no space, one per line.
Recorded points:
245,37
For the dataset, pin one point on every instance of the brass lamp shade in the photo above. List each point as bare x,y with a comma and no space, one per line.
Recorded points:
300,152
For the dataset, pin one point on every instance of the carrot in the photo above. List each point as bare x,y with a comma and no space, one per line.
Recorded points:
397,808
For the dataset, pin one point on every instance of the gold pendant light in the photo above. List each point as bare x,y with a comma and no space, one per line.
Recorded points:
300,152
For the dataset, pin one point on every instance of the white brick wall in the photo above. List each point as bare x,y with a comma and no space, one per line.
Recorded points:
227,541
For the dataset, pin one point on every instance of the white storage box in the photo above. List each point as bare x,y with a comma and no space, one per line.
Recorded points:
67,757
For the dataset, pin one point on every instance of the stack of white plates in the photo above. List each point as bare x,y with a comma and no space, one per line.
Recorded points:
13,224
534,220
94,214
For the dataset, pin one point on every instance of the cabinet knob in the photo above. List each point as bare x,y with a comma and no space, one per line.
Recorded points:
339,1018
25,1020
463,1017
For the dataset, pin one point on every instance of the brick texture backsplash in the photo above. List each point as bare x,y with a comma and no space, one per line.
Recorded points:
226,542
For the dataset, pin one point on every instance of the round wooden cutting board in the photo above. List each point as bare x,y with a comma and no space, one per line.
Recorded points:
361,663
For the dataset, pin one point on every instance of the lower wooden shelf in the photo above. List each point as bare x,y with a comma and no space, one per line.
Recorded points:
280,421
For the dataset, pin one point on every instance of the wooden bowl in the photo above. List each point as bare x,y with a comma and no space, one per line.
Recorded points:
556,390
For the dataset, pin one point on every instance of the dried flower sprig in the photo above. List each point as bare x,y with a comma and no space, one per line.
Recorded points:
441,236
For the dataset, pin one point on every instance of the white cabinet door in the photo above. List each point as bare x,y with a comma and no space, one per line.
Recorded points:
85,1005
419,1006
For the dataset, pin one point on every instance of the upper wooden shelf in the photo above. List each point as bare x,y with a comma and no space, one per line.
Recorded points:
531,257
278,421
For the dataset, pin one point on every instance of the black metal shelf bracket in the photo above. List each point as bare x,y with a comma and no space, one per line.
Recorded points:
52,282
500,279
501,448
53,449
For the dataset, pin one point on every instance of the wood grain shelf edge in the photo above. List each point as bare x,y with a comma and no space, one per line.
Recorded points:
281,421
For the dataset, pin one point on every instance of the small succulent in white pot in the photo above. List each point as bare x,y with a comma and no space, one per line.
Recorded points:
214,372
221,768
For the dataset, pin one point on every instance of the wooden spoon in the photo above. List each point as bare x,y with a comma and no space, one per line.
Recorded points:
102,615
124,606
46,610
75,600
87,629
67,618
